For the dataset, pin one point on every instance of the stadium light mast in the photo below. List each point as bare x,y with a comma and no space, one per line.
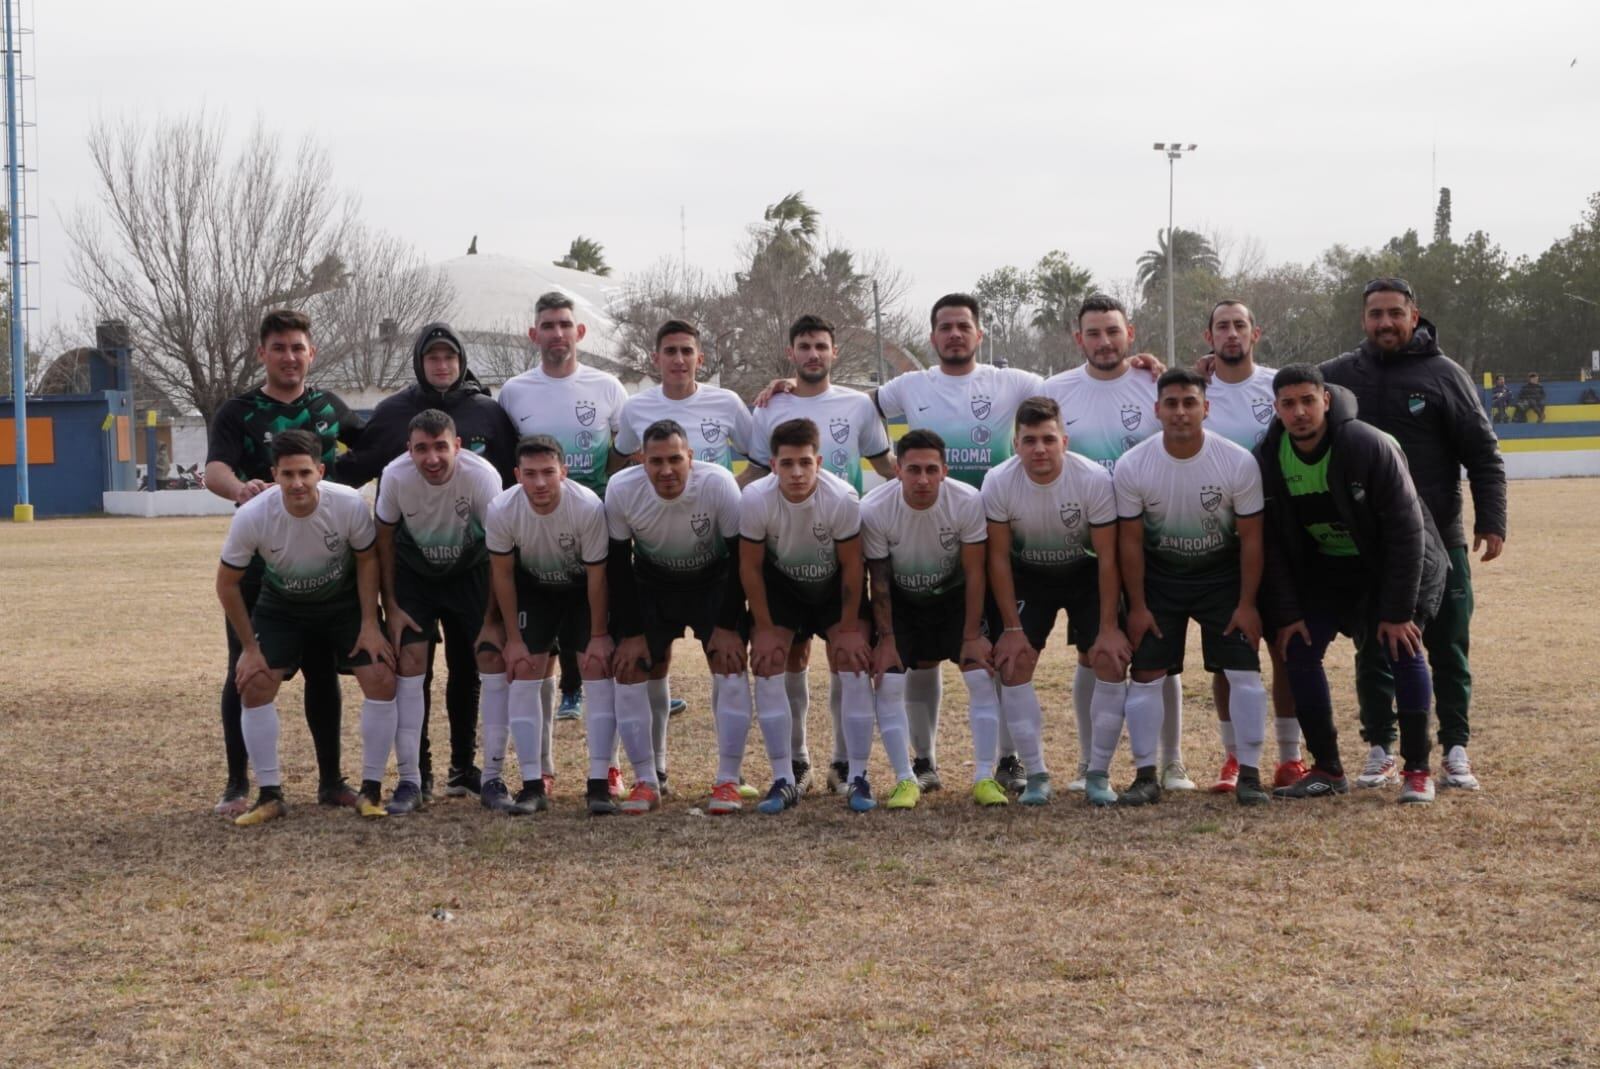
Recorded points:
23,510
1174,151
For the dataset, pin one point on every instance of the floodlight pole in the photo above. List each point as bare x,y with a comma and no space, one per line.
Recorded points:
23,511
877,322
1174,151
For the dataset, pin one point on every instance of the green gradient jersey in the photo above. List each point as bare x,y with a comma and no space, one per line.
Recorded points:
580,410
800,537
309,560
1242,412
847,423
716,421
440,527
682,542
552,550
923,546
1307,480
1105,419
1050,523
974,413
1190,507
242,432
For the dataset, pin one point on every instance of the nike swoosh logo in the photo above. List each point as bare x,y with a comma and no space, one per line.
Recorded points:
278,550
922,408
1070,422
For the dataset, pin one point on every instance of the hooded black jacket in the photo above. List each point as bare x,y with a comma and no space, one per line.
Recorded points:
1428,403
1402,555
482,424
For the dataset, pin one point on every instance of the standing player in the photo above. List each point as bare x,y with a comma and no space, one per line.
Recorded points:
547,540
238,467
319,589
1189,505
431,506
924,536
672,520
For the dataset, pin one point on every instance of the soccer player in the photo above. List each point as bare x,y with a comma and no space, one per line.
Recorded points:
1349,549
432,503
1189,506
238,467
854,432
1052,546
319,588
673,520
547,543
800,564
923,536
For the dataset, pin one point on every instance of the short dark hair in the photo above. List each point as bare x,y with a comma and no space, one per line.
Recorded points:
296,443
795,432
539,445
1101,302
922,438
432,422
1389,285
550,302
810,324
677,326
956,300
1223,303
1180,376
1036,410
283,321
661,430
1298,375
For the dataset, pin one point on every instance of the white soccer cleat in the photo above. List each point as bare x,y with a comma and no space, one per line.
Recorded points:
1174,777
1079,783
1458,770
1380,769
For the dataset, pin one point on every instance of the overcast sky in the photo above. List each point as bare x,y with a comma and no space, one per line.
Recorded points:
954,138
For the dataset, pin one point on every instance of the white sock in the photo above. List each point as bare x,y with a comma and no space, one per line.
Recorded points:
633,725
923,692
772,713
1144,711
836,715
492,707
1247,706
378,721
526,729
407,727
1083,687
855,700
660,691
547,729
1225,729
1109,700
798,691
1288,732
1019,707
259,725
983,715
1172,720
892,726
730,707
600,725
1007,745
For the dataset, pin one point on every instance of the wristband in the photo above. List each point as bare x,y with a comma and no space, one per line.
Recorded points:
1011,629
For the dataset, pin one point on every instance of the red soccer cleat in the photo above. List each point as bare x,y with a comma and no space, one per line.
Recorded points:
1228,777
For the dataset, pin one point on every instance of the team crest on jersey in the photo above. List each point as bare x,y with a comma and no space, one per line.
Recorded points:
1210,497
821,531
980,435
332,541
1261,408
1128,442
947,538
981,406
584,410
1210,524
1416,404
585,439
839,429
1132,416
840,460
700,524
711,431
1071,515
463,508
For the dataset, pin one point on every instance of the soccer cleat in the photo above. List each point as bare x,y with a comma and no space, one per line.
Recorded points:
780,796
1144,790
1316,783
1248,791
1228,777
1080,781
269,806
427,788
597,796
861,800
661,783
464,781
530,799
803,780
571,707
337,796
1380,769
234,803
1037,791
725,799
906,794
748,791
927,776
369,800
1097,789
1458,770
1288,772
614,783
1174,777
838,778
676,706
495,797
1010,774
549,780
989,792
1418,789
407,798
642,799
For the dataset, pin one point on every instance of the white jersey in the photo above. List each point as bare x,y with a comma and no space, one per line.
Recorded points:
1050,522
581,411
1241,412
923,546
847,423
440,527
1190,507
552,550
800,536
310,559
974,413
716,421
681,541
1104,420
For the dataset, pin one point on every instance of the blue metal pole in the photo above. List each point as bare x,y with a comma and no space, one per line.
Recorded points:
19,355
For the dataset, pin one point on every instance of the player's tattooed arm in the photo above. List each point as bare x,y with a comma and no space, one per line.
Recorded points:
849,652
885,655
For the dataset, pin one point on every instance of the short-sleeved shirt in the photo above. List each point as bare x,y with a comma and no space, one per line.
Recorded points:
1242,412
923,546
847,423
1104,419
582,411
1190,507
309,560
440,528
680,542
974,413
1306,478
800,537
1050,522
553,550
243,429
716,421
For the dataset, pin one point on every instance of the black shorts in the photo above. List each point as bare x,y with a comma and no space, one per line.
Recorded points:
668,611
794,612
548,616
1039,601
286,629
457,602
1208,603
929,632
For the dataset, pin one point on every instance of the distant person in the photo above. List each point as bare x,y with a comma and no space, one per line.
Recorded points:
1530,400
1500,401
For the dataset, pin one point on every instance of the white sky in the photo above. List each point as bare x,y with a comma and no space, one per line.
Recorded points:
955,138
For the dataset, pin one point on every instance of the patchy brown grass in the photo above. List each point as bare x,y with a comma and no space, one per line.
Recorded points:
136,928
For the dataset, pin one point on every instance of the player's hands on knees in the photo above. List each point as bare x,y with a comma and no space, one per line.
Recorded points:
491,634
726,652
1014,655
769,648
1247,621
1286,635
597,655
1401,640
518,658
1141,622
775,387
1112,649
371,642
885,659
398,622
252,663
849,652
1148,363
977,653
631,658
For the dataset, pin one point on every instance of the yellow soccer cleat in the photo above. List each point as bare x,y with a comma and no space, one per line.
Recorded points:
906,795
369,800
267,807
989,792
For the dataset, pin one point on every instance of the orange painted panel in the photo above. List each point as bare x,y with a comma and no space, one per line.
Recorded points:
41,440
124,440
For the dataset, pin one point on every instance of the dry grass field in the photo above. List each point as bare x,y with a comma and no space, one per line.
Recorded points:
135,928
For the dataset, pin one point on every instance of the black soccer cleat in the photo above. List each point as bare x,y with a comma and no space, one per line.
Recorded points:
1317,783
1248,791
597,796
1144,790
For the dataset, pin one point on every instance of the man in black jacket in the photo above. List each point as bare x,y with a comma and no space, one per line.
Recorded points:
446,384
1349,549
1407,387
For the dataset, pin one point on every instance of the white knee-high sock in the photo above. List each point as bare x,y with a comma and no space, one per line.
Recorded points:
1083,688
660,692
983,715
378,720
408,727
600,725
1247,705
1144,712
1019,707
1225,732
1109,700
1172,720
796,687
856,715
260,727
527,730
633,725
772,713
841,749
892,727
1287,729
923,693
547,726
493,698
730,706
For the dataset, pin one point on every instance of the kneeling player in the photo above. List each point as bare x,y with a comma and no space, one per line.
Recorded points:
320,589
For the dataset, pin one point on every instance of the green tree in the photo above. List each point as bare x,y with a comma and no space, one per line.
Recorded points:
1191,251
792,219
1059,286
585,255
1004,292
